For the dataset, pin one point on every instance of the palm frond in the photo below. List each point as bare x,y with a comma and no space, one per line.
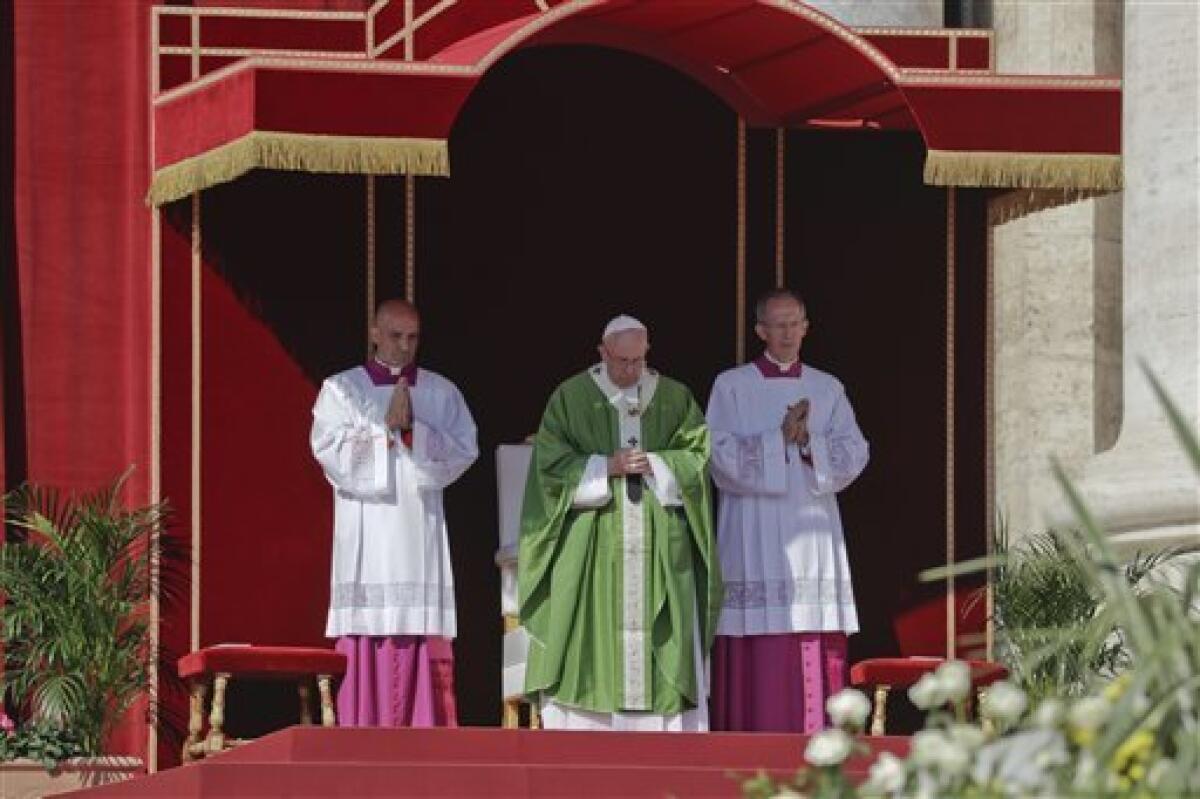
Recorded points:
78,586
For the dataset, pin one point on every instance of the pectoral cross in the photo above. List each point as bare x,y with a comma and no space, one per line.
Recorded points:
633,482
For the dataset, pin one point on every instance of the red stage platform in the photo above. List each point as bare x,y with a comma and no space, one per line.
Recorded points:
311,761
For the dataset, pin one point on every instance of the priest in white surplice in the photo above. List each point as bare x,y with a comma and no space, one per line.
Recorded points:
389,437
784,442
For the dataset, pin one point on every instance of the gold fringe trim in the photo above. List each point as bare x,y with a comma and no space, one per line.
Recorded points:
1070,171
299,152
1019,203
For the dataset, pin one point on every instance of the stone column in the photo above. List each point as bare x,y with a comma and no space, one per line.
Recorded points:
1143,490
1056,279
869,13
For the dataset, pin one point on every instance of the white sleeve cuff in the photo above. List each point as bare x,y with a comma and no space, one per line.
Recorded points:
593,491
663,483
822,466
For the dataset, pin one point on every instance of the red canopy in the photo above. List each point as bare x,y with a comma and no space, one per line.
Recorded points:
245,89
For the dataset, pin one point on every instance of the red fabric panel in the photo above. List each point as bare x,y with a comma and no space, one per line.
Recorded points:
388,21
174,70
1018,118
359,104
831,68
12,393
174,30
264,507
211,63
82,244
302,5
471,49
82,240
974,52
906,671
658,16
262,660
283,34
921,630
740,38
931,52
461,21
201,120
175,447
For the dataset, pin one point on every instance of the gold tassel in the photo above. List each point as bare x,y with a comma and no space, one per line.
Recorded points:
299,152
1018,203
1082,172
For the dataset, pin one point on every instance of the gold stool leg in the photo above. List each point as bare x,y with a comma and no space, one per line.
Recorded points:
306,714
510,718
216,717
324,688
535,717
879,717
199,689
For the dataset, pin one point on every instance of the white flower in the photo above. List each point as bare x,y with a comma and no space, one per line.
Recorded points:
785,793
926,693
886,776
1159,771
934,749
1049,713
1024,762
1085,770
1089,713
828,748
955,679
848,708
954,760
968,735
925,745
1004,702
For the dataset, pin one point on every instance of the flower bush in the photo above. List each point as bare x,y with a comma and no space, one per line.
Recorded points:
48,744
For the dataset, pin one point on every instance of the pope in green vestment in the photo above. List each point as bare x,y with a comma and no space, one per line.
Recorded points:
619,579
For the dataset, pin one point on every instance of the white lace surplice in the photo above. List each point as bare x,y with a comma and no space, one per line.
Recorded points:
783,555
391,571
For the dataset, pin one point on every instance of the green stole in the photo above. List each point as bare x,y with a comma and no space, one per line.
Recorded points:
610,595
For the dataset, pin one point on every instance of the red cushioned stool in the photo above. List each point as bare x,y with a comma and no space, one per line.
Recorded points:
922,630
217,665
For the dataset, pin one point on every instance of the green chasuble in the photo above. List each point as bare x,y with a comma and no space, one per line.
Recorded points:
613,596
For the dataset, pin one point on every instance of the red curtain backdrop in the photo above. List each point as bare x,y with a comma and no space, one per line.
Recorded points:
77,300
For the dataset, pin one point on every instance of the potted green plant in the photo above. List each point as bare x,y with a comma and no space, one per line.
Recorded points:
77,573
1051,630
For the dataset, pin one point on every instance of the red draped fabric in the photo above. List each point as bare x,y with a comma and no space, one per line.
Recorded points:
77,298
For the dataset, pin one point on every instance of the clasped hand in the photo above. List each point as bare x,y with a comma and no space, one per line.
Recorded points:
628,461
399,412
795,423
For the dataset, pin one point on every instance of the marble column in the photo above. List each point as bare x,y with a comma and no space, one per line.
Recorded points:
869,13
1143,489
1057,288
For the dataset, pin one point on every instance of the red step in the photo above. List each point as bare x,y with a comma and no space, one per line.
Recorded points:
312,761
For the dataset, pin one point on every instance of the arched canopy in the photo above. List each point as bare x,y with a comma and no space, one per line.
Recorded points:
388,107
